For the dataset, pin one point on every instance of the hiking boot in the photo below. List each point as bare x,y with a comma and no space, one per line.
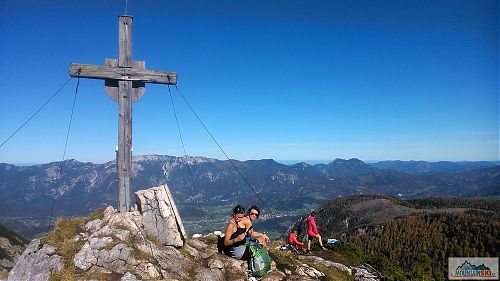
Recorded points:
324,248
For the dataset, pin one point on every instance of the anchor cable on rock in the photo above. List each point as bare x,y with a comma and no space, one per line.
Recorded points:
180,134
64,153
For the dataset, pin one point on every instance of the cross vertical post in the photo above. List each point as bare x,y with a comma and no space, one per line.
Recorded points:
124,157
125,81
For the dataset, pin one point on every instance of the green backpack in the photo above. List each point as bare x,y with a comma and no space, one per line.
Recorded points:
260,261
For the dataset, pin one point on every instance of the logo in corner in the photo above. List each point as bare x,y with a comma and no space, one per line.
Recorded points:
473,268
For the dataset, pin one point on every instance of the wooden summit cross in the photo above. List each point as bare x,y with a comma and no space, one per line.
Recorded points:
124,82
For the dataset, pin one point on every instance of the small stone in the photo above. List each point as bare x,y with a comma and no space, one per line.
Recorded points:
148,271
128,277
97,243
122,234
273,265
198,244
77,238
108,212
85,258
105,231
274,276
363,274
306,270
211,274
93,226
192,251
215,263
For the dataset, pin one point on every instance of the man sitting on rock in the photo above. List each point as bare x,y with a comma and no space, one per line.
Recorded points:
253,213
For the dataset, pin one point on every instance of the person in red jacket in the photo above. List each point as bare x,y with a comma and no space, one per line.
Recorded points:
293,242
312,231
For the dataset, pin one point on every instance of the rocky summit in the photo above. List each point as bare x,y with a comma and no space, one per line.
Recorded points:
149,243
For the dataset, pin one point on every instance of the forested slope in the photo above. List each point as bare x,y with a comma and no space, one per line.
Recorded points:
417,235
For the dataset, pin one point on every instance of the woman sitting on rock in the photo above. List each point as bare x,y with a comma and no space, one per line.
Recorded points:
235,234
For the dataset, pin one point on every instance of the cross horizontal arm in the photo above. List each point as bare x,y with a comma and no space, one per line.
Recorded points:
122,73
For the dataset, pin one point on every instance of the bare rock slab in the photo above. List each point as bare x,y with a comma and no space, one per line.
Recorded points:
160,216
36,263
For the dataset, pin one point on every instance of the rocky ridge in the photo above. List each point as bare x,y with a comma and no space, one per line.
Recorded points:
135,246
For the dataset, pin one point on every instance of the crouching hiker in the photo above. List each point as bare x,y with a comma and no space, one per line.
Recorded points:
234,238
293,243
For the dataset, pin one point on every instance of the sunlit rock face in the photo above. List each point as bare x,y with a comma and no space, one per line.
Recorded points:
160,216
36,263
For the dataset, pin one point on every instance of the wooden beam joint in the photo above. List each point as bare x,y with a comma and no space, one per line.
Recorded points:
122,74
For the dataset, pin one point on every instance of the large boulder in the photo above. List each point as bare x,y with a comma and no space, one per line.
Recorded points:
160,216
118,243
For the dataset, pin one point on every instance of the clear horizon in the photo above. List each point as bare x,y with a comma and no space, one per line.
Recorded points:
394,80
286,162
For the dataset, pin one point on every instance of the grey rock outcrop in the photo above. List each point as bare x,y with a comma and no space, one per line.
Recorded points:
213,274
364,273
12,246
361,273
137,244
327,263
36,263
128,277
274,276
308,271
118,243
160,216
12,251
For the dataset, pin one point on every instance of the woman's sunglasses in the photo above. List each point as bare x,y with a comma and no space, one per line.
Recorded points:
255,214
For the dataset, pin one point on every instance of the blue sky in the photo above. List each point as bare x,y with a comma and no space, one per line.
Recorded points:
288,80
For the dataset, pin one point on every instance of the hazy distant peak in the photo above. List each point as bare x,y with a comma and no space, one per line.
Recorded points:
302,164
184,159
196,159
149,157
352,160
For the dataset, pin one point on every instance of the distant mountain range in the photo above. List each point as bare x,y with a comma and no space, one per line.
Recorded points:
414,167
423,167
81,187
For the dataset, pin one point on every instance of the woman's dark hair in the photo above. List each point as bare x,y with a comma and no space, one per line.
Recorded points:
253,207
238,210
313,214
